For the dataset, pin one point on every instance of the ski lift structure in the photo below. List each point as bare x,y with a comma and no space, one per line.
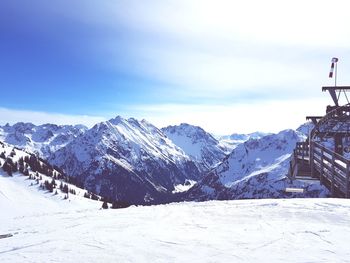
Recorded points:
325,154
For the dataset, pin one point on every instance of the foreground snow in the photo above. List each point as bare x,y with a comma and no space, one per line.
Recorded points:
294,230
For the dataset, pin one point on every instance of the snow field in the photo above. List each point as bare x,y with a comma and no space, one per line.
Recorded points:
295,230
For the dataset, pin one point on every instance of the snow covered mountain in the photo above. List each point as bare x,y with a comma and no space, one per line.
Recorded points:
232,141
43,139
202,147
255,169
127,159
131,160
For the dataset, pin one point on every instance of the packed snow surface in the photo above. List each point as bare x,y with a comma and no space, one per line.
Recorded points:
294,230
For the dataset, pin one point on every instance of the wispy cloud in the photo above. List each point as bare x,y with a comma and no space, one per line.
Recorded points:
219,48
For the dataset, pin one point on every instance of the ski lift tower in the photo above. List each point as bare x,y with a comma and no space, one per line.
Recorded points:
325,154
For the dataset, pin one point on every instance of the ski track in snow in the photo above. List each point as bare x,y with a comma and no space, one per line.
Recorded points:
295,230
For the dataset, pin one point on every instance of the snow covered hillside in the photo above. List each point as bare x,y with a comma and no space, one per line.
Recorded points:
255,169
127,159
294,230
27,181
43,139
202,147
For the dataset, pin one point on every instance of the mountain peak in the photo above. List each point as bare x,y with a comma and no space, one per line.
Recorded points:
197,143
118,119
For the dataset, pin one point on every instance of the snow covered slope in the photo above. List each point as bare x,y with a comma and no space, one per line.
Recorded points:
202,147
127,160
294,230
43,139
255,169
24,189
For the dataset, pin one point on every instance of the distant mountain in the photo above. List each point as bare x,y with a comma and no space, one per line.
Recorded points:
127,159
232,141
198,144
306,128
43,139
255,169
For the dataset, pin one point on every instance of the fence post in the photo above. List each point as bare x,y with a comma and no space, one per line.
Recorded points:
347,194
321,168
311,158
333,174
302,151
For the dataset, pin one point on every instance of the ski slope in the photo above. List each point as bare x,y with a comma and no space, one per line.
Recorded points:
294,230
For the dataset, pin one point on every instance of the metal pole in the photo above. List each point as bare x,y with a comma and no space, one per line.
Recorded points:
335,73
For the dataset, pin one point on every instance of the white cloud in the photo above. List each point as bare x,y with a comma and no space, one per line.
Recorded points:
209,48
219,50
12,116
292,22
268,116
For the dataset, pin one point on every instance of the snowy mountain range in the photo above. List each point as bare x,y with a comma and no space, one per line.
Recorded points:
43,139
256,168
134,161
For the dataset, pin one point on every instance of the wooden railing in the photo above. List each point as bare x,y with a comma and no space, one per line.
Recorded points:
333,169
301,152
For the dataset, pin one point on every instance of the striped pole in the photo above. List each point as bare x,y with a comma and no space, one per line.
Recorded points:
334,65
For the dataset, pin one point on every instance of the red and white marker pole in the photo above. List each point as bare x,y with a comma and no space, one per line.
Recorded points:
334,69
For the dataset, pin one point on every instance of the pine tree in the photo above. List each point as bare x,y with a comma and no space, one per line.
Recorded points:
105,205
120,204
65,189
48,186
94,197
7,166
14,167
13,153
21,165
26,172
53,183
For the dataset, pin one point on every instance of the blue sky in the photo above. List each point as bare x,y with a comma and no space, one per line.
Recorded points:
228,66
